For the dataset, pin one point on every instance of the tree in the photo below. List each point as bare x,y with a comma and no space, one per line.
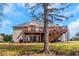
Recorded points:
46,46
49,14
7,38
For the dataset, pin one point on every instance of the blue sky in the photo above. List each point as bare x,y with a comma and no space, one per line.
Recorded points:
17,14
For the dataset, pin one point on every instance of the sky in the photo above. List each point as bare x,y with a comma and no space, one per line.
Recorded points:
17,14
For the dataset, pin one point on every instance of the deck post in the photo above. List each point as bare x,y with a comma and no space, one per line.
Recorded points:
40,37
37,38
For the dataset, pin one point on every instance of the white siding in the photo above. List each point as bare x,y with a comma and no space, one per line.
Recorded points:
64,37
16,33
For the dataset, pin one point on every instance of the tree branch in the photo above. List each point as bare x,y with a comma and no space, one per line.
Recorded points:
58,16
58,9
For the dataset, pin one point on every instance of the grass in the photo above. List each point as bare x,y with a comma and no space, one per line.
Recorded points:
32,49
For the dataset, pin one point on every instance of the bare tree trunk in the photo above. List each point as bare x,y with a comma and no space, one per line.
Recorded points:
46,46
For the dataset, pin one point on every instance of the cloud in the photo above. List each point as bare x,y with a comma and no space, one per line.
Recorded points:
11,10
75,24
8,9
21,4
54,5
71,12
74,27
77,8
29,4
5,23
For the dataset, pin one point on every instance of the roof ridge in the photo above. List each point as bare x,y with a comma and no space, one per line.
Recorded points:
20,24
39,22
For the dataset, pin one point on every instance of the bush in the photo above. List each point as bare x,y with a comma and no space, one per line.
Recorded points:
7,38
74,39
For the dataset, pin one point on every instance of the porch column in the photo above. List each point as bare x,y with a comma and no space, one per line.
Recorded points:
37,38
28,38
40,37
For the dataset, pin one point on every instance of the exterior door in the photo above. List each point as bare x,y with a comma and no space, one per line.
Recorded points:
33,38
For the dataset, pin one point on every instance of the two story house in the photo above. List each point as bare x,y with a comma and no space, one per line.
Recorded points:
34,32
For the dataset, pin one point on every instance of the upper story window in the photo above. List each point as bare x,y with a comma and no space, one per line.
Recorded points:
33,29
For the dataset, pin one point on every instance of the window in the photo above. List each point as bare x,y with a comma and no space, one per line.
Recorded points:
33,29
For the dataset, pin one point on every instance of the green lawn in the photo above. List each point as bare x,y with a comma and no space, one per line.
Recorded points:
14,49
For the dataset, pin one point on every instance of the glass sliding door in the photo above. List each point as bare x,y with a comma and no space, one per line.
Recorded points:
33,38
28,39
38,38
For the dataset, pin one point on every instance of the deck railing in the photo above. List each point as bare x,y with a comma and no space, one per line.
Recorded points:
41,29
35,30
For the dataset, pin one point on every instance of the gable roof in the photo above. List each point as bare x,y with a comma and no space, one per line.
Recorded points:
35,22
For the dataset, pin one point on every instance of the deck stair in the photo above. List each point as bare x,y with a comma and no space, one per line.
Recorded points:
56,33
